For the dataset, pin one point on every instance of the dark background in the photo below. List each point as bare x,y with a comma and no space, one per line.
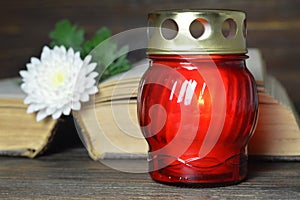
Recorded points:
273,27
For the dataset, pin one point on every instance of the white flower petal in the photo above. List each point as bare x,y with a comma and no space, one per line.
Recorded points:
27,100
67,110
45,53
91,67
70,52
35,61
56,48
93,75
23,73
23,87
30,67
75,105
57,114
89,83
76,97
31,108
63,49
77,54
84,97
41,115
46,50
93,90
40,107
87,59
50,110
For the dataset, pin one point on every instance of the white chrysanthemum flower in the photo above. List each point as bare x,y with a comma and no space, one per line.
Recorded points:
58,82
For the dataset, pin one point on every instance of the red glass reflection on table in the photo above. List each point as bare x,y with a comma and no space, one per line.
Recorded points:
179,100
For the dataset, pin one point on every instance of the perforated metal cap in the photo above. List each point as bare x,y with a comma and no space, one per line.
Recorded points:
197,32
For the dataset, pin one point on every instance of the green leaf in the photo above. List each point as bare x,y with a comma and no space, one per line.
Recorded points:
67,35
113,61
120,65
101,35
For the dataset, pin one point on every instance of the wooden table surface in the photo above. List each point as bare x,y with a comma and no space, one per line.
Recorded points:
72,174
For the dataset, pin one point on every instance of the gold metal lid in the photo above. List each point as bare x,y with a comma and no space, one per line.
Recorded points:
197,32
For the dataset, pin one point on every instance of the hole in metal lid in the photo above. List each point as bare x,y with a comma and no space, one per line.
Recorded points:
169,29
200,28
245,28
229,28
196,29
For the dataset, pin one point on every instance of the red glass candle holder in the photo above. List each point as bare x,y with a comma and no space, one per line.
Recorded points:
197,110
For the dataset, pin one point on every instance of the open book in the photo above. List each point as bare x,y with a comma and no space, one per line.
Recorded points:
277,132
20,134
109,126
